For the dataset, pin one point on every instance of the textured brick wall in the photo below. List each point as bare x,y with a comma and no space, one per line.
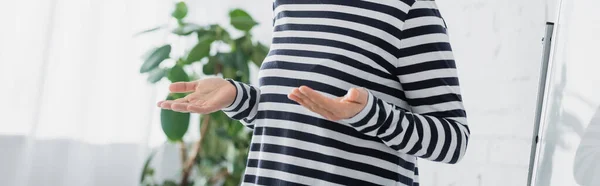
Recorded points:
498,49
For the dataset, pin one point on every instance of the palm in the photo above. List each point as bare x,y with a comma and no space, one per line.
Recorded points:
331,108
207,96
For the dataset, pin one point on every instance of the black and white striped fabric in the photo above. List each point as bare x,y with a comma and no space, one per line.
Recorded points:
398,50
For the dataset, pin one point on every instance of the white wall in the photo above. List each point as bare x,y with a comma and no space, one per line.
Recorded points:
498,49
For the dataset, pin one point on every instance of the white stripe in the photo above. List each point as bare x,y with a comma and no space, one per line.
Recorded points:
341,38
425,5
319,48
425,57
427,75
423,21
280,175
329,168
344,85
424,39
395,120
343,9
341,23
433,91
290,142
453,144
392,3
441,138
426,137
445,106
335,65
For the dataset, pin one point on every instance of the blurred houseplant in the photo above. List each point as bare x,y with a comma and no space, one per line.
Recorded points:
219,156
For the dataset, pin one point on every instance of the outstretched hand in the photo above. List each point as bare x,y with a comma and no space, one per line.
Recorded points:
207,96
331,108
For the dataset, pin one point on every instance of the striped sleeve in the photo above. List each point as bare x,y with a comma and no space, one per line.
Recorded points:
436,127
245,105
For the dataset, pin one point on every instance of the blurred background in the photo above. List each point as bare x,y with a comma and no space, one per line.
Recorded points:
75,109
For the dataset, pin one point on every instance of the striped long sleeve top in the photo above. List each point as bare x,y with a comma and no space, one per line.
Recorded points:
398,50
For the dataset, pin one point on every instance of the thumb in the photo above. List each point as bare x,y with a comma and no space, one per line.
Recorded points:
353,95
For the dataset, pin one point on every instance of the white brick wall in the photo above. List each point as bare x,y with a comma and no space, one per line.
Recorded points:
498,49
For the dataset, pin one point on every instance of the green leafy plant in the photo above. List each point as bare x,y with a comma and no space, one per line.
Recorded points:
219,155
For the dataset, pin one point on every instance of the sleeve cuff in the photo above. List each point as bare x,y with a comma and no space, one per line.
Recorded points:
362,115
237,99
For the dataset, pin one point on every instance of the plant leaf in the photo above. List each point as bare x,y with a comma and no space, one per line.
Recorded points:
180,11
147,168
149,30
241,20
225,59
156,75
169,183
259,54
209,68
177,74
241,61
186,29
155,58
229,72
201,50
174,124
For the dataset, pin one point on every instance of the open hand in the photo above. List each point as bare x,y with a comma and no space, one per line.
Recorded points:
331,108
207,96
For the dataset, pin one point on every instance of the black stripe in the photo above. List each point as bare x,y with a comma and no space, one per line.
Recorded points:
332,160
408,133
425,48
386,125
418,145
333,143
447,113
458,142
434,137
335,57
276,98
383,44
392,11
430,83
447,140
380,118
432,100
289,82
241,103
312,173
388,65
423,30
335,73
244,114
368,117
259,180
378,24
423,12
398,129
425,66
317,122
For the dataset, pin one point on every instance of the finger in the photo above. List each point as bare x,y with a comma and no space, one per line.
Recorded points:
296,92
197,109
159,103
317,97
166,104
354,95
180,107
182,87
305,102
